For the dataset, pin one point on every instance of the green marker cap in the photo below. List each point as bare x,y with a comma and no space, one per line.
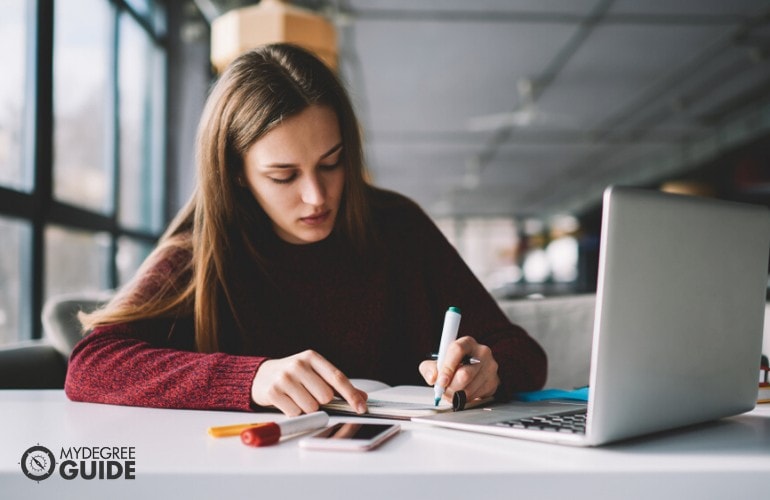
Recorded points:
454,309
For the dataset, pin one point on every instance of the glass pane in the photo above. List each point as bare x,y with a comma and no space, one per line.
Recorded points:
131,254
82,137
151,12
15,296
12,35
140,84
75,261
142,7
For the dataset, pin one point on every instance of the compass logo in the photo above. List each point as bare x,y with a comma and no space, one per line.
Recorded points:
38,463
84,462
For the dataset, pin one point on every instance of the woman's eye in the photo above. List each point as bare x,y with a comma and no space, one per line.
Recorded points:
323,167
283,180
331,166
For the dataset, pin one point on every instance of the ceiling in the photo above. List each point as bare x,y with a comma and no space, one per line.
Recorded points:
532,107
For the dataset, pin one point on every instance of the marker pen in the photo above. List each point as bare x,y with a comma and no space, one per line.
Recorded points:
262,432
271,432
448,335
467,360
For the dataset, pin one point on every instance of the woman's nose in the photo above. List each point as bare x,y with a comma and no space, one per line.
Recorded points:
313,191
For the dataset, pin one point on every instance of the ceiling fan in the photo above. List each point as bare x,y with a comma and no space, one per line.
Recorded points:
527,114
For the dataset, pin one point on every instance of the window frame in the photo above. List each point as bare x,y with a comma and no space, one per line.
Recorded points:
38,206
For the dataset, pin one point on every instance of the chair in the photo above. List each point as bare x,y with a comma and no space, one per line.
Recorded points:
61,326
42,364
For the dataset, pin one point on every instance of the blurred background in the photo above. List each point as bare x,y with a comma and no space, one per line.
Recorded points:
503,119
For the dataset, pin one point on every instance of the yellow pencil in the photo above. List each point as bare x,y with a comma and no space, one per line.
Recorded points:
233,430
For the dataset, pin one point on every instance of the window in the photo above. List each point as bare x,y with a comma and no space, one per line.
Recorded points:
14,278
131,254
81,103
140,73
82,145
82,109
76,260
13,173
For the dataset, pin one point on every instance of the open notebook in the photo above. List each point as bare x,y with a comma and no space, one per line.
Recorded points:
399,402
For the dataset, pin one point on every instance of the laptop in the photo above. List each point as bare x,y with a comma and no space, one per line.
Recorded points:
678,324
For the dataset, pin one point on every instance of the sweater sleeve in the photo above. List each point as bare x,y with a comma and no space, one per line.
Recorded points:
119,365
153,363
522,361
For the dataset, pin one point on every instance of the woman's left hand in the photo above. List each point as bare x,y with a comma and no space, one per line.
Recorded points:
478,380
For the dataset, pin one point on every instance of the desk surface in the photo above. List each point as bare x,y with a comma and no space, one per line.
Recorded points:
175,458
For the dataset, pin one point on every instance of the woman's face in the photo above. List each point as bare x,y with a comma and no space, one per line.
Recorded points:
295,172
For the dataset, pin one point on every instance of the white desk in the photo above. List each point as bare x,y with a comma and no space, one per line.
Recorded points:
175,458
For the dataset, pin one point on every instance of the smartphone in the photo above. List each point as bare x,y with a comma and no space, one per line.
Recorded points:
350,436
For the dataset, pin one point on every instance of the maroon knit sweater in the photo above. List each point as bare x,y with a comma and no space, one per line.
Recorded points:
376,319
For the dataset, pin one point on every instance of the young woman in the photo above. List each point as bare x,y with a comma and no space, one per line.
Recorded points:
286,273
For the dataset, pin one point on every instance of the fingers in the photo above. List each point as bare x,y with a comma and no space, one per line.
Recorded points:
300,383
484,384
453,358
290,385
428,371
477,380
362,394
287,405
340,383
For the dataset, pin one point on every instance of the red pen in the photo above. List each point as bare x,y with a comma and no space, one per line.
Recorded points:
270,432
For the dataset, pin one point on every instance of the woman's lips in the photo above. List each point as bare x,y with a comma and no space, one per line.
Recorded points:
315,220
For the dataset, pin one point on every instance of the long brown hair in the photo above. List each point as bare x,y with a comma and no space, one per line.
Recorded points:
256,92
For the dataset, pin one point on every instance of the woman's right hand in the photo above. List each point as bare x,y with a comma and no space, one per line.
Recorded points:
300,383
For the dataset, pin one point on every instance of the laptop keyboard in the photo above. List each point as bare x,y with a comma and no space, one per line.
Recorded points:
572,422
